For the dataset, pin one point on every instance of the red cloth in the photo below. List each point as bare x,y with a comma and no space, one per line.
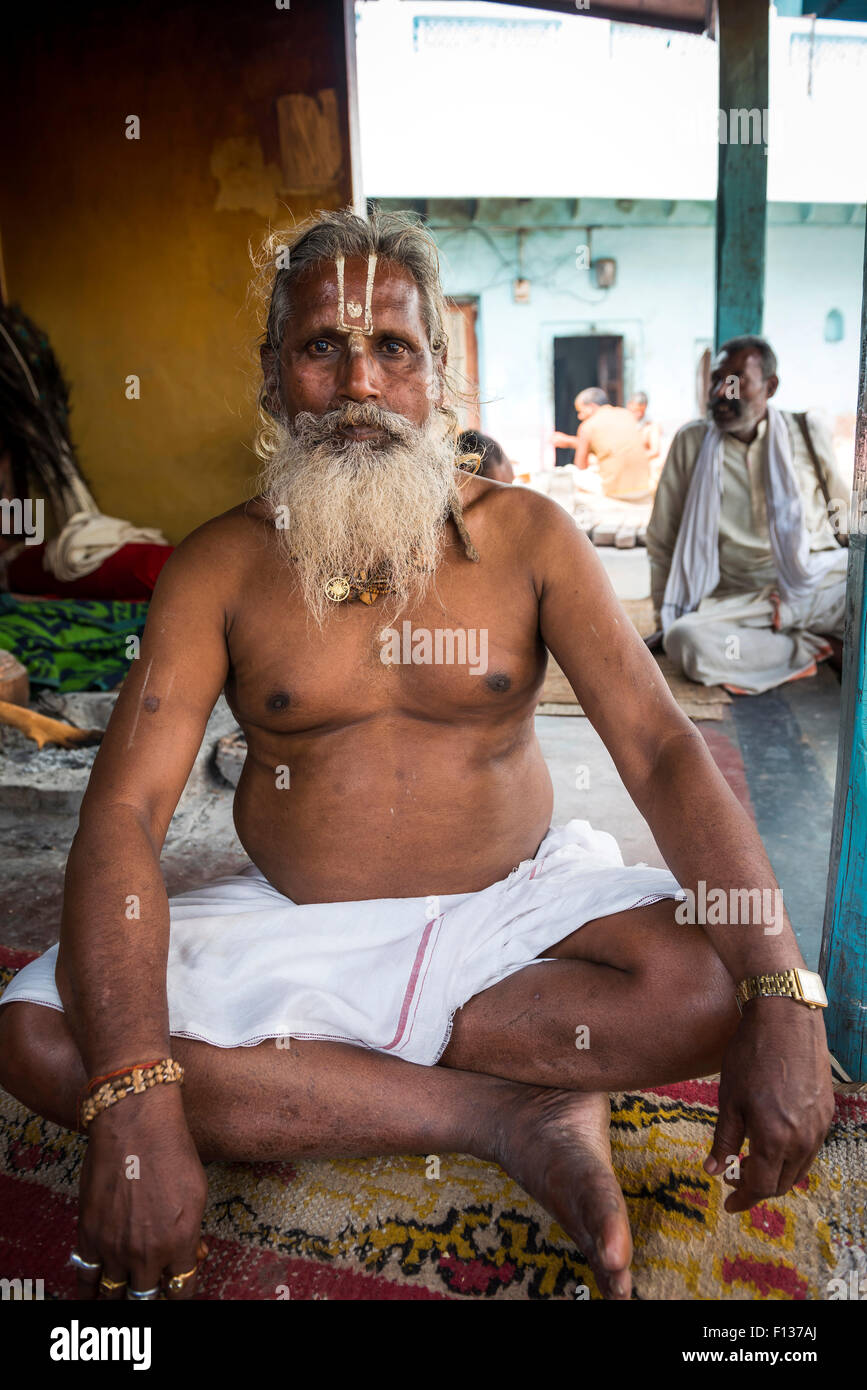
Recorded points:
130,573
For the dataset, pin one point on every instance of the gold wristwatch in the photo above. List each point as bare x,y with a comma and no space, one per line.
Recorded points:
803,985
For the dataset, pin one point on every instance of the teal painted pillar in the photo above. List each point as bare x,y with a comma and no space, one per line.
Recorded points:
742,193
843,962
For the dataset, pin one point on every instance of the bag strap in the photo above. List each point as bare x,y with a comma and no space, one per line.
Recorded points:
801,417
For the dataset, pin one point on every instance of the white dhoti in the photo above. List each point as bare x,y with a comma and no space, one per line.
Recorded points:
755,641
245,963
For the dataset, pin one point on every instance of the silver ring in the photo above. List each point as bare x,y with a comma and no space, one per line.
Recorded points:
143,1293
75,1259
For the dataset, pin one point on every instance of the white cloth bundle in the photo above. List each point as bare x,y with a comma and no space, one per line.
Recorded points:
88,538
695,572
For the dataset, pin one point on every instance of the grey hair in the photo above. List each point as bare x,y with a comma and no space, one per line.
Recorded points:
748,342
395,237
593,395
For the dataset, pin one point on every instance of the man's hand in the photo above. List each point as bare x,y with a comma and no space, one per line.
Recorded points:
562,441
141,1197
776,1091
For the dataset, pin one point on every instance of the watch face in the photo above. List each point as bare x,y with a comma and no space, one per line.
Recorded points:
812,988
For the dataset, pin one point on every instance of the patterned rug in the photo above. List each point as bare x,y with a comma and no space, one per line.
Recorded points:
409,1228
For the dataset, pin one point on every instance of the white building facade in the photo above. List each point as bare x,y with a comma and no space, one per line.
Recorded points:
535,145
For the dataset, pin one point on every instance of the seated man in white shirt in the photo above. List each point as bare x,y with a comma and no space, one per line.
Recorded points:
747,576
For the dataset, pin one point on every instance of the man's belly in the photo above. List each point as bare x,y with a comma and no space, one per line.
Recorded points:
349,819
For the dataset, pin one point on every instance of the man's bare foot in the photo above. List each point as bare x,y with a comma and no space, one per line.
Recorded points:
555,1144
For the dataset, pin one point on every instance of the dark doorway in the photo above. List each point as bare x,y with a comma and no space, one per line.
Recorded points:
579,363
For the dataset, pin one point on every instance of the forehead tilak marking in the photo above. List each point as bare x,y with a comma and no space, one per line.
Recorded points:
354,308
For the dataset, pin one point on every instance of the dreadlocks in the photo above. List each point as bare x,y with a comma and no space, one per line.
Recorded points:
34,417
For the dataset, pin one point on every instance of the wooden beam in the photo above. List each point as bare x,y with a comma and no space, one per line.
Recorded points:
743,168
693,16
843,961
356,192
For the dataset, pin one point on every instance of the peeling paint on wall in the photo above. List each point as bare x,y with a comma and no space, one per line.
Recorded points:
246,182
158,229
310,148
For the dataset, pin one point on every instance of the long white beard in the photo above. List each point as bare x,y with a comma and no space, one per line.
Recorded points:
344,505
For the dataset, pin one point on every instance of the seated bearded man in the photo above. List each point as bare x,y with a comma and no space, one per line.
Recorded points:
379,619
747,576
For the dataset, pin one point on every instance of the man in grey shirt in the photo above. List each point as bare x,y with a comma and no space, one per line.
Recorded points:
746,632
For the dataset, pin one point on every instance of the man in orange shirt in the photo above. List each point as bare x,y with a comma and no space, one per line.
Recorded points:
616,441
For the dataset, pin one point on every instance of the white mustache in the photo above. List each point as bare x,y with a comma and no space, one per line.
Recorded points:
310,429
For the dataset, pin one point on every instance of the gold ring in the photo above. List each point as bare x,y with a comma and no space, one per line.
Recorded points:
177,1281
111,1284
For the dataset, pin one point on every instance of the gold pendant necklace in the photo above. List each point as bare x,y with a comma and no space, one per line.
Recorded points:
339,588
366,586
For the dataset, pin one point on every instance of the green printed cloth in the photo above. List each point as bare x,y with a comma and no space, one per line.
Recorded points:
72,644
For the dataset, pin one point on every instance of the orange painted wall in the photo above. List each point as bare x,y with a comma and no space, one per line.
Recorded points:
132,254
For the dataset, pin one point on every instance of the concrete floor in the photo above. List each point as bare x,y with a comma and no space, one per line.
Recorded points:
778,752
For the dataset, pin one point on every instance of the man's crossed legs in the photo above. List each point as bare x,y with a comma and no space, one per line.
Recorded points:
511,1087
753,642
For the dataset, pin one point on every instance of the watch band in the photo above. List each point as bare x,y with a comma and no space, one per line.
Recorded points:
785,984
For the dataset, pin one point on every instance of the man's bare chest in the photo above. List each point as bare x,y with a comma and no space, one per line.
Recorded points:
469,649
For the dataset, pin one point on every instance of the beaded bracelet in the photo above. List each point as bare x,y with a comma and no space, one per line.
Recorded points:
121,1071
134,1081
109,1076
